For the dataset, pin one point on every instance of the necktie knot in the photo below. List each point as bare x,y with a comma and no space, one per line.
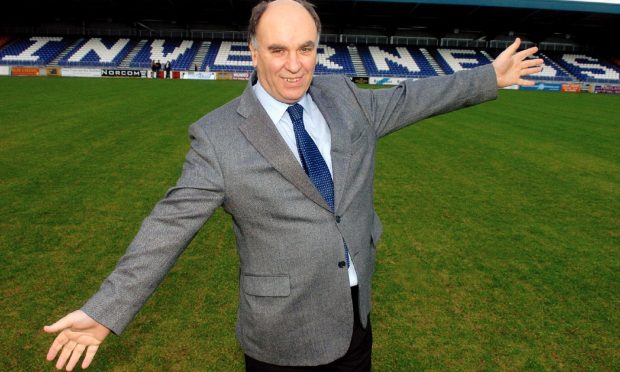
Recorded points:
296,112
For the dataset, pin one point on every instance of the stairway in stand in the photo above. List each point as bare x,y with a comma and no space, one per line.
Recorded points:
55,61
432,61
360,70
200,55
136,49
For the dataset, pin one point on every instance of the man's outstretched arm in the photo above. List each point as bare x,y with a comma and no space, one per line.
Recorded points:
163,236
510,66
77,332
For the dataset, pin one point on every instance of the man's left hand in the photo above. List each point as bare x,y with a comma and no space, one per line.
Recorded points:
510,66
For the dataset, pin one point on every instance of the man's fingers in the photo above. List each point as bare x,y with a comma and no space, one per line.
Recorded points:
75,356
71,349
526,53
57,345
531,70
65,354
527,83
534,62
90,354
512,48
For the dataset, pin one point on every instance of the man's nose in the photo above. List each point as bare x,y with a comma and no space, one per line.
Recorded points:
292,62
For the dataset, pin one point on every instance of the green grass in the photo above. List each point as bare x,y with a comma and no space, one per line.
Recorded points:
500,249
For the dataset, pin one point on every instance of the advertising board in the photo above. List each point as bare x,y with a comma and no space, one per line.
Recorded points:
25,71
241,76
550,87
574,88
52,71
81,72
198,75
608,89
125,73
360,79
378,80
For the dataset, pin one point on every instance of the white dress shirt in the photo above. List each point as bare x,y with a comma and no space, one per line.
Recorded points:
315,125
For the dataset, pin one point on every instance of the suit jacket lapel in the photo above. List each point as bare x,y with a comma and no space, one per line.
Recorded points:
262,134
341,141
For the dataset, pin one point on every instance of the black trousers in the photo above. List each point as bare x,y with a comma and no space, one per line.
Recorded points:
356,359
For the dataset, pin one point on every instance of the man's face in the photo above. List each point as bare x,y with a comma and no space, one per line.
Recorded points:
285,52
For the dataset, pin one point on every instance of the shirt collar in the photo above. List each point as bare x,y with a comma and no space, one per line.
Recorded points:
276,109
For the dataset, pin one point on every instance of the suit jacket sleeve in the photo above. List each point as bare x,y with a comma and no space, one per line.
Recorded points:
413,100
163,236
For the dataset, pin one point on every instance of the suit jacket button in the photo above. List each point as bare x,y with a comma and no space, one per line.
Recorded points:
342,264
337,219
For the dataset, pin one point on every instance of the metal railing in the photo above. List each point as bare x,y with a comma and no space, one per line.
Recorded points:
242,36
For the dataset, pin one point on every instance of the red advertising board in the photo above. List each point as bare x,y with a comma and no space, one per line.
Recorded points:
25,71
571,88
241,76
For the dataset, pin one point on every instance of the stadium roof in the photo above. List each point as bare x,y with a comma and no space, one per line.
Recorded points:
601,6
587,22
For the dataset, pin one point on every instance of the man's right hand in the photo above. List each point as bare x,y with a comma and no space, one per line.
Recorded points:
78,333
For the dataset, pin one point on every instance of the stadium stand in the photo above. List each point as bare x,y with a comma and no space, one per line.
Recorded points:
207,63
552,71
334,58
235,56
359,38
453,60
180,53
94,52
398,61
36,50
232,56
589,69
381,60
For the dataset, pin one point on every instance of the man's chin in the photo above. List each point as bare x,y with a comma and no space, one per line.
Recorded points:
293,95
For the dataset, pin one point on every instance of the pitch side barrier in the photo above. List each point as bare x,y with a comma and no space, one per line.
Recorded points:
539,86
571,87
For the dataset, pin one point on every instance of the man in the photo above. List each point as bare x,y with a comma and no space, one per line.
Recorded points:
292,160
157,69
167,68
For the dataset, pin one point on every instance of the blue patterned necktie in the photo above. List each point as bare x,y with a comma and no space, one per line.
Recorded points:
312,161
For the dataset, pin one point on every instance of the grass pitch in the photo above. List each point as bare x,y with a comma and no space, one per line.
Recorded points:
500,249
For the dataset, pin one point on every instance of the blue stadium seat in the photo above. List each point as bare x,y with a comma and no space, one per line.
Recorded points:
452,60
229,56
180,53
95,52
36,50
235,56
395,61
334,58
589,69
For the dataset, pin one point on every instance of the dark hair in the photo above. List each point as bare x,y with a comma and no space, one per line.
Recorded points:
259,9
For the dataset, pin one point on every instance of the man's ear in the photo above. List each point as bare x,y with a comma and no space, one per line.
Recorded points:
254,54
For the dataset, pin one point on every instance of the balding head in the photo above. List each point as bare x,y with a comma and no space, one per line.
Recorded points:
260,8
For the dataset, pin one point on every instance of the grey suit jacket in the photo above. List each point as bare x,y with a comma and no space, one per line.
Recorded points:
294,300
